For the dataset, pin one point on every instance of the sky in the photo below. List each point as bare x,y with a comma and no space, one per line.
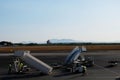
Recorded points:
40,20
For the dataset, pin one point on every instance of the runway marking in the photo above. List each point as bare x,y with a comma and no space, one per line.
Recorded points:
100,77
97,77
107,69
6,54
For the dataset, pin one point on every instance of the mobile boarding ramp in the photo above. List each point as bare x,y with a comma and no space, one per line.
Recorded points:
72,62
73,56
33,61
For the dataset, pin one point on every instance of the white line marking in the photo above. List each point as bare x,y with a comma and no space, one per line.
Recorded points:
108,70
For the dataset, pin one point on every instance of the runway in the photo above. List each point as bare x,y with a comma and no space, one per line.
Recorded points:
98,72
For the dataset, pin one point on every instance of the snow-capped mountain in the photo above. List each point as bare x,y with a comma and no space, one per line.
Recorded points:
27,42
62,41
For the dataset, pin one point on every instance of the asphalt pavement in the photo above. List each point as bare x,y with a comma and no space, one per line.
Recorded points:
98,72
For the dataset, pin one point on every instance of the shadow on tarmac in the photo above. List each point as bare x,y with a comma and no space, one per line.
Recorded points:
19,76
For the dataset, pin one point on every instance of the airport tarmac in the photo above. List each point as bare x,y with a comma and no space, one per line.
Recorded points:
97,72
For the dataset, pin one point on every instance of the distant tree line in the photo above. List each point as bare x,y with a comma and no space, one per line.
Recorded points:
7,43
87,43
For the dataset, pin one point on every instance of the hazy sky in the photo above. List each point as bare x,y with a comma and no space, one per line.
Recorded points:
40,20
